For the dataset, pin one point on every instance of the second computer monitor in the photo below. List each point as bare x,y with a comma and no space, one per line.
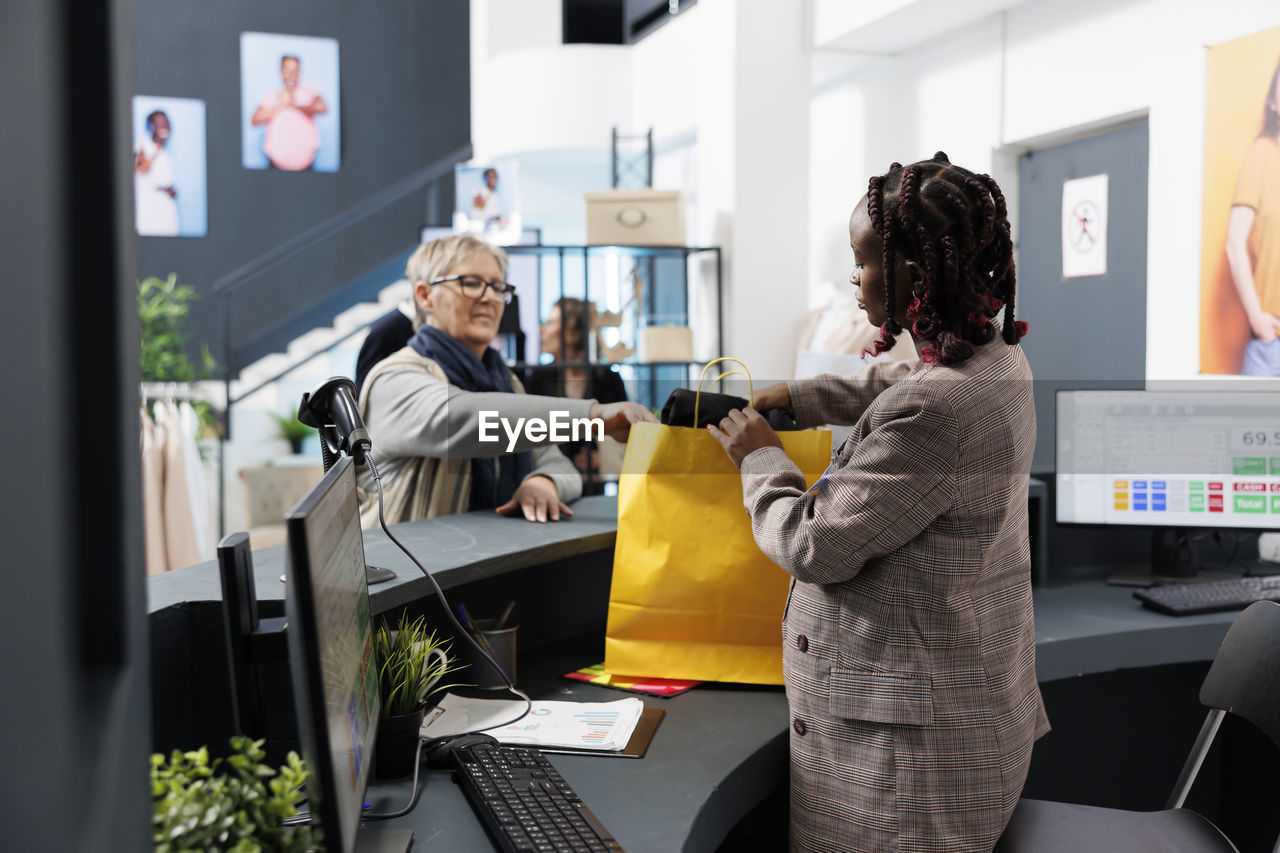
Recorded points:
1169,458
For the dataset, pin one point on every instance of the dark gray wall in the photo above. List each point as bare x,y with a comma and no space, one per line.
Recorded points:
74,672
1085,332
405,102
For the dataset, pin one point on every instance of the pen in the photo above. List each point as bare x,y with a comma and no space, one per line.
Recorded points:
506,614
480,639
465,615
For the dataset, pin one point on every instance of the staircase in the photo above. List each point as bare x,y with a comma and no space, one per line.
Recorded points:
275,384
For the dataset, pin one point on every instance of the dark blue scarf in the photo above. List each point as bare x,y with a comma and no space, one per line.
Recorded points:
491,485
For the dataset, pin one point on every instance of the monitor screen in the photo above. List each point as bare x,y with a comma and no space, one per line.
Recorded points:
330,640
1169,458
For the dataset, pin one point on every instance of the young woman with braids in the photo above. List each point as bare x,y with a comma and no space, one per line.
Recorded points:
908,638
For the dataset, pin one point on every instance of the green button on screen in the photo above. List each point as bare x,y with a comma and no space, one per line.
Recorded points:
1249,466
1251,503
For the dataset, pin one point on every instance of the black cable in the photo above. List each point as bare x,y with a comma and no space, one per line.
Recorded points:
413,796
382,520
417,758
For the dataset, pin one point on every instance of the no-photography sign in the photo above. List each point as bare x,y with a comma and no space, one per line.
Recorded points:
1084,227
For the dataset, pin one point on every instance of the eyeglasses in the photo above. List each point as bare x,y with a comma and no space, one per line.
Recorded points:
473,287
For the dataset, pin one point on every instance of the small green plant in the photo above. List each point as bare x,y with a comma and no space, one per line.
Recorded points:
164,306
408,670
241,809
292,430
163,311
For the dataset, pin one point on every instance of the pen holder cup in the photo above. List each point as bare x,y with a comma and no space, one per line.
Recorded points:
479,671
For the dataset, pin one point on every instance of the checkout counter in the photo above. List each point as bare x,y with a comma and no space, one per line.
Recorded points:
720,755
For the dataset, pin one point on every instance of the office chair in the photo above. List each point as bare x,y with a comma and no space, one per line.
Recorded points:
1244,679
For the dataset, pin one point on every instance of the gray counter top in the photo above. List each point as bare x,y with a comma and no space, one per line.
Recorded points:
1080,629
1091,627
456,549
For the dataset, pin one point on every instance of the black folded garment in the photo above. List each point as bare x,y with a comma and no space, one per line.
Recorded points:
713,408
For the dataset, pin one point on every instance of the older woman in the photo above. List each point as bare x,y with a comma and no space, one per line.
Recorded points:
422,405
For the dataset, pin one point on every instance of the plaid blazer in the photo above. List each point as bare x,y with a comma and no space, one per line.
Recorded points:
909,640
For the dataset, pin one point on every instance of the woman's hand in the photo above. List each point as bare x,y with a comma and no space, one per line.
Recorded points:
774,397
1265,326
538,499
618,417
742,433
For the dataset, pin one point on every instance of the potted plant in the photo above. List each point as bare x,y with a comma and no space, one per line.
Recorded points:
241,809
411,664
292,430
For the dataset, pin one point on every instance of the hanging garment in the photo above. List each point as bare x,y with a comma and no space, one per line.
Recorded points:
197,489
179,521
152,447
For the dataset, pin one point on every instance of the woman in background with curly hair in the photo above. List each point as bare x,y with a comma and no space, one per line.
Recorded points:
908,638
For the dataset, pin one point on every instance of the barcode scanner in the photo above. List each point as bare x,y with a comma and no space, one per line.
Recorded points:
331,410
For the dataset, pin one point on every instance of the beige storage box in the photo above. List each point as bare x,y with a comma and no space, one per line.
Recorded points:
666,343
635,218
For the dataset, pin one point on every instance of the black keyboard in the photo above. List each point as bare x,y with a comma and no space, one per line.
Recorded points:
525,804
1185,599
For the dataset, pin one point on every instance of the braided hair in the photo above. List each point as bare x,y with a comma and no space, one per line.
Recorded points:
954,224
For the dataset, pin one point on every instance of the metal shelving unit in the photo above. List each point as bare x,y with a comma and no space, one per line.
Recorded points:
681,285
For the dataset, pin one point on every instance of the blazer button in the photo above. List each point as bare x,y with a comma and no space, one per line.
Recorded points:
802,643
799,726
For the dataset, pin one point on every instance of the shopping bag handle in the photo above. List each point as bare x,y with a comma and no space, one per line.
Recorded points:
697,398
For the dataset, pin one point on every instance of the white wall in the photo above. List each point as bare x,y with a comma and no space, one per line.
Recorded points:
531,93
1033,73
766,296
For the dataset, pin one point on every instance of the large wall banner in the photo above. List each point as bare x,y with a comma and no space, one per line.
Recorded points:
1240,240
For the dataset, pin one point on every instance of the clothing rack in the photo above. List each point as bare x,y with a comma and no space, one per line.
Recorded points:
169,391
183,391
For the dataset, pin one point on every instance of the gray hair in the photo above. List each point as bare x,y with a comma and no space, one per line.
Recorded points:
435,259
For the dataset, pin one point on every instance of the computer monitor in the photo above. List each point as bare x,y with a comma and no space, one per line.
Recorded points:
1169,459
240,623
330,639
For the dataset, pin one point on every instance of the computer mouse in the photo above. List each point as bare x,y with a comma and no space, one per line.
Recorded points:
437,755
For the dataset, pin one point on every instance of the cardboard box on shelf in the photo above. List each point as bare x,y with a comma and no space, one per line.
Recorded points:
666,343
635,218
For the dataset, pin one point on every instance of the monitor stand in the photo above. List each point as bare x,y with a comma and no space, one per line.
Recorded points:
1173,560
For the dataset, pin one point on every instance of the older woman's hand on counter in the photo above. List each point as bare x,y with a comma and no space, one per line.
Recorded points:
538,499
618,417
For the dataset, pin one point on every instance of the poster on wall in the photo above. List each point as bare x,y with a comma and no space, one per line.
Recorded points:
289,108
1240,213
488,202
1084,227
169,191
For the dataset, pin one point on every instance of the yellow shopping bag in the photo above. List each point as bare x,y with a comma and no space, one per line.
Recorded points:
692,594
